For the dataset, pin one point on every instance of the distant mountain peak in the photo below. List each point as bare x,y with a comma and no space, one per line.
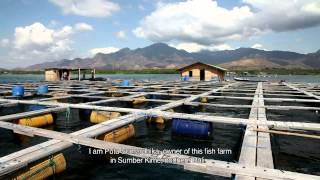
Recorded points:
248,49
124,49
160,47
159,44
161,55
244,48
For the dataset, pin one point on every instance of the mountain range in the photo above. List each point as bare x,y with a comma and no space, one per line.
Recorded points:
160,55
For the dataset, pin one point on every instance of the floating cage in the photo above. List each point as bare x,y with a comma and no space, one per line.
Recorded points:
231,125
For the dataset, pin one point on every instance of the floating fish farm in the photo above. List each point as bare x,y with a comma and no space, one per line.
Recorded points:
237,130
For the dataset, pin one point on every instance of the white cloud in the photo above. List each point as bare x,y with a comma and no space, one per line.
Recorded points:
194,47
37,43
205,22
89,8
313,7
220,47
257,46
4,42
285,15
202,22
37,35
121,35
64,32
34,35
83,27
190,47
104,50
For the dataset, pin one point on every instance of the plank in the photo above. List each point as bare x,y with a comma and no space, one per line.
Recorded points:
31,113
210,166
249,142
302,91
264,150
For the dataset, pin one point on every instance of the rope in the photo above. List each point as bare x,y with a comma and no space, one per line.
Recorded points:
68,111
110,114
28,121
79,148
114,136
46,119
51,164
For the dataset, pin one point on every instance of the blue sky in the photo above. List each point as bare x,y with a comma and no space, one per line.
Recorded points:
36,31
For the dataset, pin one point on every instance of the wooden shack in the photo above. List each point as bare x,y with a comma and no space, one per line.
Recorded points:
202,72
65,74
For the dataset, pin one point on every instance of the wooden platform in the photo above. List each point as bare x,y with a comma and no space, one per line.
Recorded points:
255,161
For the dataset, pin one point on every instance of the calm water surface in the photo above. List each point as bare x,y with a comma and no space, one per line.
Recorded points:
4,78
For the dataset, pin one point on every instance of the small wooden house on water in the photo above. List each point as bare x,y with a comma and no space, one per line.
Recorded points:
65,74
202,72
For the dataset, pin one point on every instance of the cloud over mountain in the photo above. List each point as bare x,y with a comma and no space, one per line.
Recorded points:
194,47
205,22
104,50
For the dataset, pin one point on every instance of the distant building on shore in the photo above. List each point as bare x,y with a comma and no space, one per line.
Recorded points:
202,72
65,74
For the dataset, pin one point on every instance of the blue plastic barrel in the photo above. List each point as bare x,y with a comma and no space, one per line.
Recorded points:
35,107
192,128
185,78
42,89
17,91
125,83
85,114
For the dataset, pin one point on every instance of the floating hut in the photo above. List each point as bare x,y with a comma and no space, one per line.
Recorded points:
202,72
65,74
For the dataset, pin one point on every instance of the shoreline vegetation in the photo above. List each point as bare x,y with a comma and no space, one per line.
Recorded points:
278,71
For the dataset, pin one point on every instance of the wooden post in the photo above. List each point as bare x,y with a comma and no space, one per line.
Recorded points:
93,76
79,74
69,75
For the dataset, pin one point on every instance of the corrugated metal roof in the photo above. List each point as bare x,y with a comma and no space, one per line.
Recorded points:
210,65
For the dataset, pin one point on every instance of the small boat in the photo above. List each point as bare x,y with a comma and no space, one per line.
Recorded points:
248,80
240,79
